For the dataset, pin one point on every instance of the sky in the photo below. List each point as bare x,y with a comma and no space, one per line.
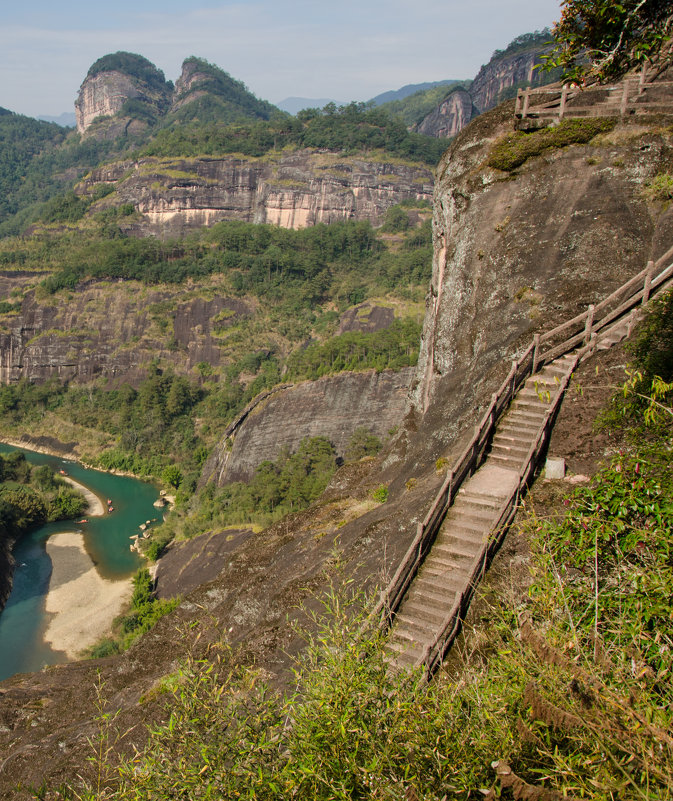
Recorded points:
346,49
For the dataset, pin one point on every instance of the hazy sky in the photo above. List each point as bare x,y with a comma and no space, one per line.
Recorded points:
345,49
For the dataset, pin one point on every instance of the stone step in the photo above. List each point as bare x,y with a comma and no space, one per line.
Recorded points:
412,622
536,391
441,589
526,411
404,652
408,636
473,511
531,403
400,660
477,498
417,608
510,446
441,562
509,462
523,427
461,522
463,548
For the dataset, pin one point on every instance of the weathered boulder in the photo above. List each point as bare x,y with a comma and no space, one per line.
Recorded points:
331,407
520,252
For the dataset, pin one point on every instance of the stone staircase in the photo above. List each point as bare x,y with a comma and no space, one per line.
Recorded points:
447,569
423,604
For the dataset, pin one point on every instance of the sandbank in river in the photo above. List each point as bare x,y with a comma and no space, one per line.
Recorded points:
80,604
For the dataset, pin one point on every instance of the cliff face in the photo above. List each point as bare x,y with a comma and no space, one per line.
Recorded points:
494,82
331,407
450,116
113,332
293,190
113,84
523,251
504,73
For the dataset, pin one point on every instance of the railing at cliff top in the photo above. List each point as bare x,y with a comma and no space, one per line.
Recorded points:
627,97
586,328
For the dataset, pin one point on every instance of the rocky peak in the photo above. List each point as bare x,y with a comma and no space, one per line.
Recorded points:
496,81
122,85
205,91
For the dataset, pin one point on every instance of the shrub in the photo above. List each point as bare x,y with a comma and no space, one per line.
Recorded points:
380,494
362,443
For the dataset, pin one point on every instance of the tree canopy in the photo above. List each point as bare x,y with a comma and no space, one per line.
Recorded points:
603,39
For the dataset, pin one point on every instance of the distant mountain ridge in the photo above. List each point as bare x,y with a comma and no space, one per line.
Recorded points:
66,120
410,89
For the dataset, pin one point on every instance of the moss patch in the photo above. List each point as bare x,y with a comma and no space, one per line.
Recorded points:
514,149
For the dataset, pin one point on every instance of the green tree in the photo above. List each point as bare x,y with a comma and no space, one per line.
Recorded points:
603,39
172,475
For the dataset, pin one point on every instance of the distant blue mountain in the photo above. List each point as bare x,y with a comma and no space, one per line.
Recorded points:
294,104
67,119
407,90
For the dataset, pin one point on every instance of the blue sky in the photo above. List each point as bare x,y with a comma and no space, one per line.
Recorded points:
347,50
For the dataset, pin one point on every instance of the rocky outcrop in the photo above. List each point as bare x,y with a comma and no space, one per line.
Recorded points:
293,190
494,79
450,116
123,93
520,252
331,407
111,83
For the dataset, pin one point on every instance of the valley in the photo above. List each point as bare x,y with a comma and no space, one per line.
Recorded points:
292,326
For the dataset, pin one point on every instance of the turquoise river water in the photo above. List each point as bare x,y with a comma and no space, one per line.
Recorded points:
106,539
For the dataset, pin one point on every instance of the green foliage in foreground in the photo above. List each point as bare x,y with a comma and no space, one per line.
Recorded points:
144,613
570,691
565,693
514,149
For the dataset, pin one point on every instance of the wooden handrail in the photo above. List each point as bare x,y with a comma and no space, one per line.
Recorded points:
629,95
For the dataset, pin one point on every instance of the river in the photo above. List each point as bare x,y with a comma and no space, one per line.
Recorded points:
106,539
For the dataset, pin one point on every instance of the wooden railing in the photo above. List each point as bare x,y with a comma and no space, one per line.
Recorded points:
585,330
627,97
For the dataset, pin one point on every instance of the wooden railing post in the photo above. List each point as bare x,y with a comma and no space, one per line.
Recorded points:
631,323
641,82
536,340
648,282
526,101
589,325
625,98
564,97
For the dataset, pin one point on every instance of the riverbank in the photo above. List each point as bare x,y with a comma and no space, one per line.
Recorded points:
80,605
95,506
